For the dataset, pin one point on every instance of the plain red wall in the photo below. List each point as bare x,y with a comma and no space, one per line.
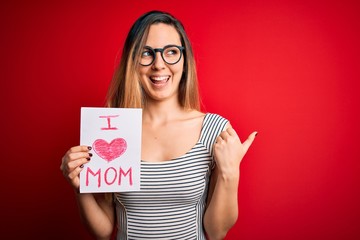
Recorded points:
289,69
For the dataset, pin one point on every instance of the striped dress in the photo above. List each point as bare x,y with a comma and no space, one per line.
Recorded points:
172,199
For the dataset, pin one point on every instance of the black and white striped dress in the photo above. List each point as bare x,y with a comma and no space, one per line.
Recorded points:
172,199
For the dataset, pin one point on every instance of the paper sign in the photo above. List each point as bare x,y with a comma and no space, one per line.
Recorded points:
115,137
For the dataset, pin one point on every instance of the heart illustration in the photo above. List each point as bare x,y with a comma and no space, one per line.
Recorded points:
110,151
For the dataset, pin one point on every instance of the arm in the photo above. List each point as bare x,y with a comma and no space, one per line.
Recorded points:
97,214
96,210
222,211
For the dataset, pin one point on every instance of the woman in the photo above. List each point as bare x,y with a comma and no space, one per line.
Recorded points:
190,160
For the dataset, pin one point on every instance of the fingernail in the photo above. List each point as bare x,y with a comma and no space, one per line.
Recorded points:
256,134
90,154
88,159
89,147
82,165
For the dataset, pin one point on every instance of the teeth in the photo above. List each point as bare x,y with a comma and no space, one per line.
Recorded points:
159,78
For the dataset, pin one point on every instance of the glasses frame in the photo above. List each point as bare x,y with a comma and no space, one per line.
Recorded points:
161,51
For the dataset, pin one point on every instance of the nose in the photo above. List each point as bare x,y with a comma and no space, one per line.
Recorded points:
158,62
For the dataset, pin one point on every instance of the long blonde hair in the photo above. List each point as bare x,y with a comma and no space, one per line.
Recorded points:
125,90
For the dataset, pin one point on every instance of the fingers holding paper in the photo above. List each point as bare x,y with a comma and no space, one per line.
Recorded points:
73,162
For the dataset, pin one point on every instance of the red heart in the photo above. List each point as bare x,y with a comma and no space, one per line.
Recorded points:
110,151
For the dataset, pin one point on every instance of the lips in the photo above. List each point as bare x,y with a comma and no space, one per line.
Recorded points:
159,80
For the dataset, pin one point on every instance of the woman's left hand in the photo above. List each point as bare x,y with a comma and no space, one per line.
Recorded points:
229,151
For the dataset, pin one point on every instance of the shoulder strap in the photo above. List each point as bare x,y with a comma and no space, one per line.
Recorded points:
213,125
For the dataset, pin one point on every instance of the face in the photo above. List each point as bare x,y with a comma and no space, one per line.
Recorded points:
160,80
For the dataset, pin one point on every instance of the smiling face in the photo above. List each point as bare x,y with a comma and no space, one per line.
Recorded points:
160,80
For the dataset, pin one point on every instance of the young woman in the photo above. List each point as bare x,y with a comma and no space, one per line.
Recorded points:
190,160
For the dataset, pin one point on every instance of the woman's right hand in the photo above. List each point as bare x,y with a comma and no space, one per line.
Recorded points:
73,162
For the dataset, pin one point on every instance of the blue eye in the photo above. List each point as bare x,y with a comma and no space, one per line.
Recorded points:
171,51
146,53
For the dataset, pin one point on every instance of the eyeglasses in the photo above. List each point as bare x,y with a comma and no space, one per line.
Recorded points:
171,54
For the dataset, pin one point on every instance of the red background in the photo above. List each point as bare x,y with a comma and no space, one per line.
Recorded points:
288,69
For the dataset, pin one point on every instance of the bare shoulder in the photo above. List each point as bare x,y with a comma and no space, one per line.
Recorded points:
193,115
191,119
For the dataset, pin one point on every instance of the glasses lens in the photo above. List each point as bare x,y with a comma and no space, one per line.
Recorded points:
171,54
147,56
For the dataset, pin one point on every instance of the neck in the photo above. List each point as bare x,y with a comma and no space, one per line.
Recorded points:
162,111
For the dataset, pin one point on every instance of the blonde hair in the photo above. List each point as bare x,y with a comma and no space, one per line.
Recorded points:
125,90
